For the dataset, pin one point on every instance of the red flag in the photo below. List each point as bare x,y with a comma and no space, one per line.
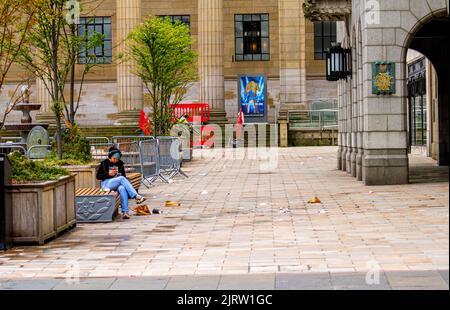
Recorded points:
240,123
144,124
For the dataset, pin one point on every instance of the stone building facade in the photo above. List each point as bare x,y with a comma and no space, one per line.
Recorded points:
373,141
113,95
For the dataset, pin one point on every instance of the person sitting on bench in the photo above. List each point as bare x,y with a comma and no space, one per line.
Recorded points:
111,173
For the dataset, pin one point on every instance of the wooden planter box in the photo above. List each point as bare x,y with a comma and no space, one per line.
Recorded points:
42,210
85,176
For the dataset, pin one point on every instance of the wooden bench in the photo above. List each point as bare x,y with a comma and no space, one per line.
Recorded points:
135,180
96,206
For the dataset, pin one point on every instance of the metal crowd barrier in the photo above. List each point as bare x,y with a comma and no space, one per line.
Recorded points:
150,165
131,156
170,156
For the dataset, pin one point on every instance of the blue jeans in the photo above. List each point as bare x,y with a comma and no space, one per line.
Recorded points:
124,187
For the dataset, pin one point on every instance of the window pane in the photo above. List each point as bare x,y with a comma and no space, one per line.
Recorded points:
317,28
333,28
326,43
239,29
326,28
98,20
257,57
108,48
265,29
239,57
265,57
239,46
247,18
256,18
107,31
99,28
265,47
264,16
238,18
81,30
318,48
90,30
248,57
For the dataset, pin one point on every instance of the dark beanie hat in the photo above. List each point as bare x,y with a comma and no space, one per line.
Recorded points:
114,150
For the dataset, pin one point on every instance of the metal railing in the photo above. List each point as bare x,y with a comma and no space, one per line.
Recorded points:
128,139
10,139
313,119
6,148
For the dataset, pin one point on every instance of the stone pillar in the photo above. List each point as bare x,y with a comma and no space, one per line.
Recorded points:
130,94
292,53
45,115
354,121
343,122
360,110
349,103
292,48
211,51
385,159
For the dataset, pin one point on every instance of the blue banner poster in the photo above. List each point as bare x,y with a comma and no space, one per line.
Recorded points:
253,95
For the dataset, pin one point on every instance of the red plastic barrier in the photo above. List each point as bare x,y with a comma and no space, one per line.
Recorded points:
207,137
192,109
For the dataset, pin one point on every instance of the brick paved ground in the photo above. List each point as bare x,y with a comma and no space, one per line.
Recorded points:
238,220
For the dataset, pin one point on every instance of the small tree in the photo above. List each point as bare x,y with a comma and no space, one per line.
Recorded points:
52,54
166,63
15,23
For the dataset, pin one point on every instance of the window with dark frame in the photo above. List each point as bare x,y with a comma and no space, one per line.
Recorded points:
87,27
185,19
252,37
324,35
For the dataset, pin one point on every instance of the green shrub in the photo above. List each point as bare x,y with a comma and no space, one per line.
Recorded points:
76,149
52,161
25,170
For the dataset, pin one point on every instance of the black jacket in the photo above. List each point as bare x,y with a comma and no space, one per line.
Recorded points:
104,167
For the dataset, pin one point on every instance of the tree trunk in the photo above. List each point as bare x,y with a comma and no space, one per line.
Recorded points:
56,89
72,82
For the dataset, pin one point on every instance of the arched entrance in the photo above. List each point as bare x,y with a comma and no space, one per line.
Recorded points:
430,37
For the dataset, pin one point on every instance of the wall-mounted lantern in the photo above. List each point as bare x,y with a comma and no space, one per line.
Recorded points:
338,62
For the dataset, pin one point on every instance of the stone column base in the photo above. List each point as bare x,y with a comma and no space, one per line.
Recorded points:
218,117
344,159
359,157
46,118
353,156
128,118
385,167
339,158
284,134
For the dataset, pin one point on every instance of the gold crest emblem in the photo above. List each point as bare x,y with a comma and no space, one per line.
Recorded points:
383,81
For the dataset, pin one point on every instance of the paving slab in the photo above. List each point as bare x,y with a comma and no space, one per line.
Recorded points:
86,284
251,282
193,283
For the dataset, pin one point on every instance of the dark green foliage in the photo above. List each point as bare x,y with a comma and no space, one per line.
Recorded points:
25,170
